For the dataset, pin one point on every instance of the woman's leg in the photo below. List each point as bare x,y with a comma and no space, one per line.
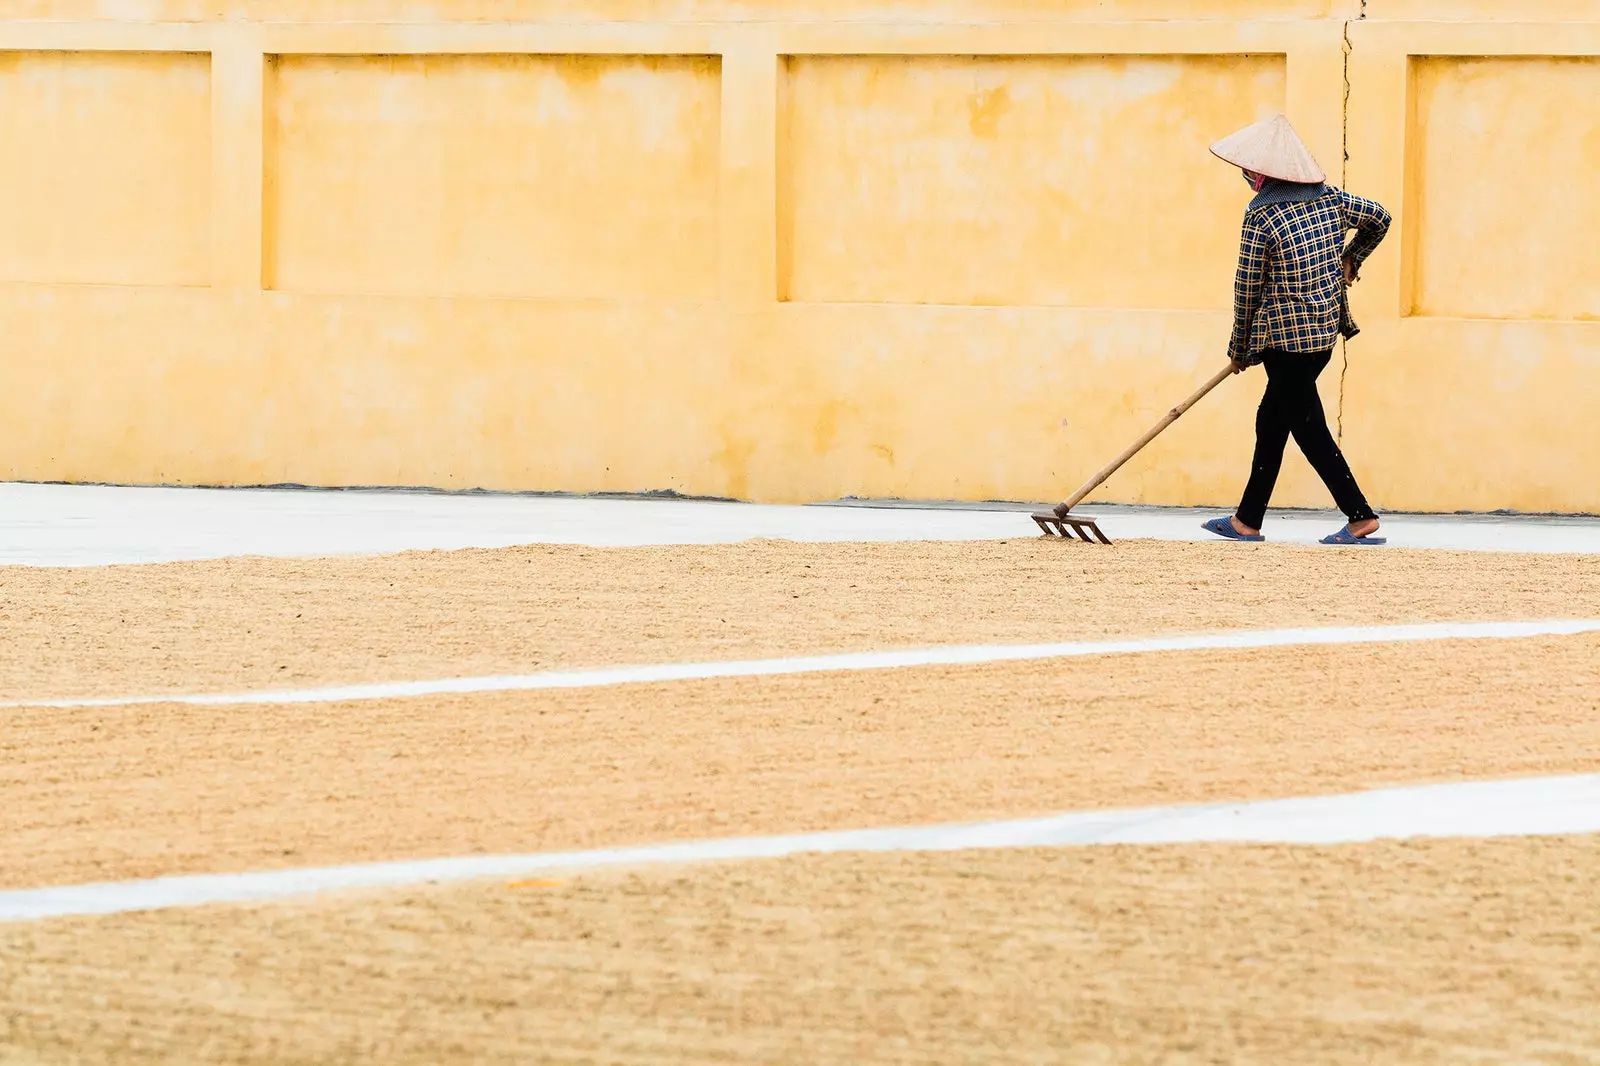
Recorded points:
1322,451
1280,409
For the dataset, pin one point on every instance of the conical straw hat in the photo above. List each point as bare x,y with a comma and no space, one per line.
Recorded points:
1270,147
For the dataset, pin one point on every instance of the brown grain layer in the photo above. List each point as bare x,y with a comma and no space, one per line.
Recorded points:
1425,952
247,623
135,792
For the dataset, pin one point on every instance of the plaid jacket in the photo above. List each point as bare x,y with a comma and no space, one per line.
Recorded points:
1290,293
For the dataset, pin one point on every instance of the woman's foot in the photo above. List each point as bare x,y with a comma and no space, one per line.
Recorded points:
1231,529
1356,533
1248,531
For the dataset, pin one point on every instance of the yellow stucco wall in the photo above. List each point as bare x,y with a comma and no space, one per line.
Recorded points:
778,249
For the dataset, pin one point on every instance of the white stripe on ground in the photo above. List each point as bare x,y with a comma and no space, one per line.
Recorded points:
1526,807
950,655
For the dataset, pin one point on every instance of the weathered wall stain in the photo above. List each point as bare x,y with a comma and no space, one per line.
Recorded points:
985,109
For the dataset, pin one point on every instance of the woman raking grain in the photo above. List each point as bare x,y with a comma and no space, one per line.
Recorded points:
1290,306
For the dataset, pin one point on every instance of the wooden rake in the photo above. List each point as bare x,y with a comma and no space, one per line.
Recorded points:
1057,522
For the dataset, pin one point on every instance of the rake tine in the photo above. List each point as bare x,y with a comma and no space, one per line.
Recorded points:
1070,527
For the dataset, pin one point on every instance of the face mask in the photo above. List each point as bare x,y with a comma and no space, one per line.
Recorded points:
1254,183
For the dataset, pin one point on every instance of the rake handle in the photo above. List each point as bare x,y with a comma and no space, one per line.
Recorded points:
1151,434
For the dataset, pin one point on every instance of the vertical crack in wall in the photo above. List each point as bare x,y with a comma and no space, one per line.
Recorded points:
1344,179
1344,113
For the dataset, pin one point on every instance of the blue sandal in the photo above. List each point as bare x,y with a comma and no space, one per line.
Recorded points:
1223,527
1344,536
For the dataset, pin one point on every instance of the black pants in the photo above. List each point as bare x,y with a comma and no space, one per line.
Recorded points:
1291,406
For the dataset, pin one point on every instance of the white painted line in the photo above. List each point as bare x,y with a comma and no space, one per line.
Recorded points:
1526,807
950,655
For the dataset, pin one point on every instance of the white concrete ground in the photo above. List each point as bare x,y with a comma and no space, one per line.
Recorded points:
77,525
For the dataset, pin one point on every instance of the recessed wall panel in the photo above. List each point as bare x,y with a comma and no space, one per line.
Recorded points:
493,175
105,169
1069,180
1503,159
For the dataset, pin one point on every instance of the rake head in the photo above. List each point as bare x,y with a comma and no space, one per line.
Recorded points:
1057,523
